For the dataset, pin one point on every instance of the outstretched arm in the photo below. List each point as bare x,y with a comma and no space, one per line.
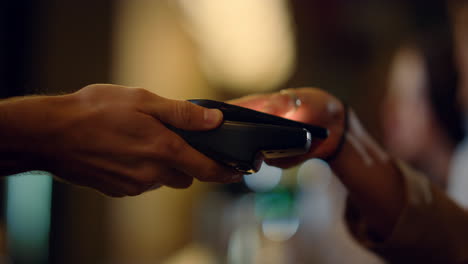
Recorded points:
373,181
108,137
399,213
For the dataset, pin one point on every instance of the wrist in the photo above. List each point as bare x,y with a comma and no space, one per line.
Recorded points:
354,144
13,139
26,126
342,138
373,181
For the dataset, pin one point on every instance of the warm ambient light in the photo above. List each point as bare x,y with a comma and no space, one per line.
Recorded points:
246,45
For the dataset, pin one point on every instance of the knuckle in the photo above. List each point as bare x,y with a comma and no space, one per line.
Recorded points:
93,88
210,173
171,147
140,92
187,183
164,147
113,194
155,152
87,91
182,183
139,180
134,190
87,87
140,95
146,175
183,112
205,174
203,177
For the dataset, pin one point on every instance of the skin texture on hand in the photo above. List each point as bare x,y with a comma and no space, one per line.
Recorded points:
108,137
374,183
317,108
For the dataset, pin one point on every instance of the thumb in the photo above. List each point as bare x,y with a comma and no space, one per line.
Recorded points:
184,114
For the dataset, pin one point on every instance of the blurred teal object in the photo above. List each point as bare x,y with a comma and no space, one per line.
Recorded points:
277,203
277,212
28,216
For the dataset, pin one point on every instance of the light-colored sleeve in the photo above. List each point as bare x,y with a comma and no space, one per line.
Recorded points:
431,228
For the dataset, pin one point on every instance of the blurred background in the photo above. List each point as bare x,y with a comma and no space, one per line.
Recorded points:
391,60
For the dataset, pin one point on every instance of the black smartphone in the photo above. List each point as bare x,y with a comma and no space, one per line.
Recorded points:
246,137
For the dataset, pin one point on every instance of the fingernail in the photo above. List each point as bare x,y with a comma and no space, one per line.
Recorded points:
212,116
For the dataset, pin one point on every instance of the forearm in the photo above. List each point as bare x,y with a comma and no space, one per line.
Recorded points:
22,126
9,165
401,209
414,221
374,183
